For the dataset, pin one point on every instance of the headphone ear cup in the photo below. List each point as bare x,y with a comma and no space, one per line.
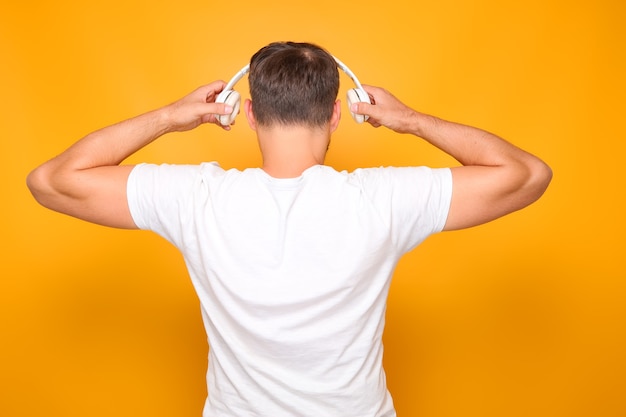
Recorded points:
233,99
357,95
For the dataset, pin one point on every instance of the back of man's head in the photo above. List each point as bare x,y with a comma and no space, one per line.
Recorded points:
293,84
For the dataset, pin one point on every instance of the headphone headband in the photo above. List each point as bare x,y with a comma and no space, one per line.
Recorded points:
350,74
242,72
231,97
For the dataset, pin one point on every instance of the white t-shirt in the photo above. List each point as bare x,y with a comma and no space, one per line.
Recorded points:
292,276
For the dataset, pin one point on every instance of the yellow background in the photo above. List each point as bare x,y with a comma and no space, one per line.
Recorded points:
521,317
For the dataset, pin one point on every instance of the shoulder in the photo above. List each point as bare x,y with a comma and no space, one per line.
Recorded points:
393,186
387,177
174,172
397,176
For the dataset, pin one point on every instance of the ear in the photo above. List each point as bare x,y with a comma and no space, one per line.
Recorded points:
247,108
336,116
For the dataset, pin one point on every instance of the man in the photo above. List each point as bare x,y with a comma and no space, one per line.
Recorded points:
291,261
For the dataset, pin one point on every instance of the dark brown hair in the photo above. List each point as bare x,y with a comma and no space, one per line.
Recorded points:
293,84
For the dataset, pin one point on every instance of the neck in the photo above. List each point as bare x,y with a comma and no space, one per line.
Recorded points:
289,150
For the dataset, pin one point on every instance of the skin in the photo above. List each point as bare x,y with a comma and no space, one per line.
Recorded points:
496,177
87,181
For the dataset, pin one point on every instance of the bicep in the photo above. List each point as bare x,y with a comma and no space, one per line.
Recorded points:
481,194
97,195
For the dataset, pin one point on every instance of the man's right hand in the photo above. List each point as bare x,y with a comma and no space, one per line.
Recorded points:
386,110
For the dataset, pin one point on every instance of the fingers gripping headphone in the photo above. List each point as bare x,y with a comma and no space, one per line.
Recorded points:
233,98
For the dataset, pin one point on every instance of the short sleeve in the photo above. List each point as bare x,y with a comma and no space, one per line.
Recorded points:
160,197
414,201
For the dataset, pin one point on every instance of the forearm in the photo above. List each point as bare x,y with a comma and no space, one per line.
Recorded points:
469,145
113,144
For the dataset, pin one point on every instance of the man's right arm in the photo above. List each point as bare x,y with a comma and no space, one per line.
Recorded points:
496,177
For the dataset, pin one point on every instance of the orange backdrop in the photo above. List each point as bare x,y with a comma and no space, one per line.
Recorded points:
521,317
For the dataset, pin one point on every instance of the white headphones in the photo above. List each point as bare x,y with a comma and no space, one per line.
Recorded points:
233,98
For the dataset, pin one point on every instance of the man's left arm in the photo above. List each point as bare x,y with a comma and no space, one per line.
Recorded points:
86,181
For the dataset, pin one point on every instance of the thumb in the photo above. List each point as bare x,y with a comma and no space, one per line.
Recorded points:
211,111
218,108
372,111
361,108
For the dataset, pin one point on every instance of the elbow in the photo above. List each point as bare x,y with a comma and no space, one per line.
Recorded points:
36,183
39,182
542,176
538,178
